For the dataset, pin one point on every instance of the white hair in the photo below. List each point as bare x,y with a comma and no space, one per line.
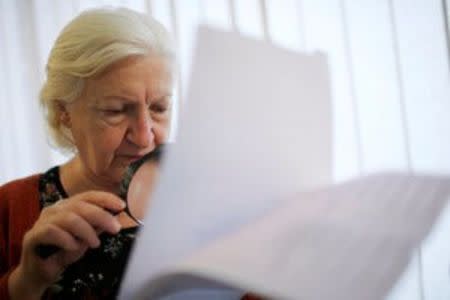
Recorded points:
91,42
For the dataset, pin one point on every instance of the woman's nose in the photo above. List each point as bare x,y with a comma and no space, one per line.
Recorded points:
141,131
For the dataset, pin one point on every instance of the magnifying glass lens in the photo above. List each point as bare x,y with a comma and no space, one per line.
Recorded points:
138,183
140,189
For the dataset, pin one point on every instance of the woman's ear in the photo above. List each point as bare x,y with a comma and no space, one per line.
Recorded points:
64,116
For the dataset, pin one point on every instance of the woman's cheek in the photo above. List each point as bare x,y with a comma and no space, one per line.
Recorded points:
112,139
161,132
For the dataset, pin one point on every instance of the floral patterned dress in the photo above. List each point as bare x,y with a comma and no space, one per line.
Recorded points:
98,274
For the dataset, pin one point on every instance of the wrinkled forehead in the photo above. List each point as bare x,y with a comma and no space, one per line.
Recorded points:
136,77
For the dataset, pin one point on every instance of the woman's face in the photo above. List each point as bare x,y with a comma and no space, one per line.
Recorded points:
121,115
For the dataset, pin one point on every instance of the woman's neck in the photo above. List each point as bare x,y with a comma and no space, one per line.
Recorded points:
76,178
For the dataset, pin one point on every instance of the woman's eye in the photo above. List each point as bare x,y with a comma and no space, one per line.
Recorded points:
113,111
158,108
113,115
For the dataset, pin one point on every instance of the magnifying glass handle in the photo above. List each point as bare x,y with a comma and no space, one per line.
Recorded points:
45,251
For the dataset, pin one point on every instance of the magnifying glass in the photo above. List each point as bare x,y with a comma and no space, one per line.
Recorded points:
138,183
135,189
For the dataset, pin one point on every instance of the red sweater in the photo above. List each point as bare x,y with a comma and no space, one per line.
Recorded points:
19,209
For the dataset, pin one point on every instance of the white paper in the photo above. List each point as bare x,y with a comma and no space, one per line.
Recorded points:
256,128
350,241
436,260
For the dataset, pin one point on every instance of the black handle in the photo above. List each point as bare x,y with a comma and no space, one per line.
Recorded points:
45,251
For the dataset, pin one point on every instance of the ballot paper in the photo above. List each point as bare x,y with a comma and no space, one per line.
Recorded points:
245,201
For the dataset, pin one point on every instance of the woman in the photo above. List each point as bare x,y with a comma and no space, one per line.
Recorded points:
107,98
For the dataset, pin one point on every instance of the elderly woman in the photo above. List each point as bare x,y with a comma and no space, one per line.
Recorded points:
107,98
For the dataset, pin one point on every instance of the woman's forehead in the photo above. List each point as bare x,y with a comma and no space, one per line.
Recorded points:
150,77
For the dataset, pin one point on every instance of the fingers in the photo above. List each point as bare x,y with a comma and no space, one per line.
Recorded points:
97,217
85,221
79,228
54,235
104,200
85,215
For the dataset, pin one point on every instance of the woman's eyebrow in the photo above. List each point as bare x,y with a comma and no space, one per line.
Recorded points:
162,98
127,99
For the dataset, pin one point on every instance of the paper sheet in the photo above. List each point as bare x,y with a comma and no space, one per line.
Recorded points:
256,127
352,241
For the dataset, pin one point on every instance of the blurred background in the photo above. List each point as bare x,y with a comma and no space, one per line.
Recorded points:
390,74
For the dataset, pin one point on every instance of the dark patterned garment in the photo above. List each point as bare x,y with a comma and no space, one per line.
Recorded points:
98,274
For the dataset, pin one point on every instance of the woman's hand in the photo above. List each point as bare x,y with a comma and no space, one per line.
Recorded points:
72,225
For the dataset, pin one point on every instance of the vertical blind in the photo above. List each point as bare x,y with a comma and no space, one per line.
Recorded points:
389,63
